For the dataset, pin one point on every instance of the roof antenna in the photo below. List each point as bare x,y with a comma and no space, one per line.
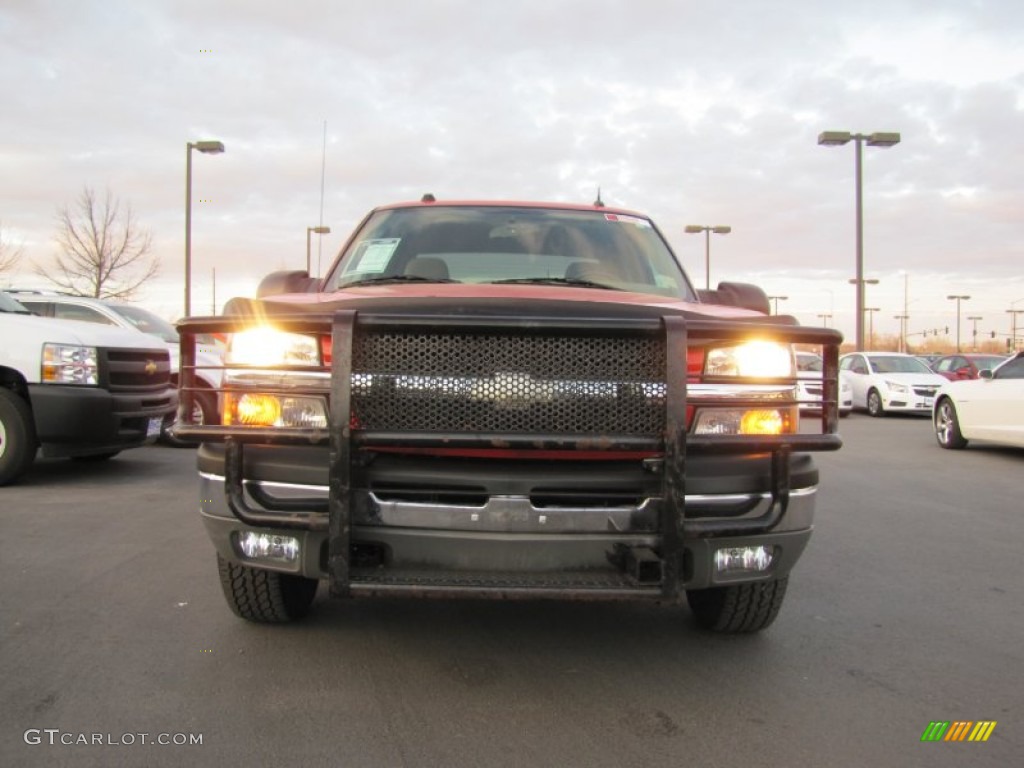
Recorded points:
599,203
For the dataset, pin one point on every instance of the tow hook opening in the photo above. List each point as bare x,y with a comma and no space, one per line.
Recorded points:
642,564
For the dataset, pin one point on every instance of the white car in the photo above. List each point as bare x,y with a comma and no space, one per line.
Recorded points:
809,369
209,353
890,382
988,408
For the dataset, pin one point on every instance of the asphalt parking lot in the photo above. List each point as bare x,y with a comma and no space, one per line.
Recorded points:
905,609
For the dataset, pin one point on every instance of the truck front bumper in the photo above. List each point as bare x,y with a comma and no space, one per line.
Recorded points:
522,533
79,421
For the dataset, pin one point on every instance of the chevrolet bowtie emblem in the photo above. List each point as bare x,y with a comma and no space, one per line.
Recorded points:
150,368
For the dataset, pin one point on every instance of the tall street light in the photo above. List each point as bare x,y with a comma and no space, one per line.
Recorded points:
862,296
974,331
209,148
903,330
824,317
958,299
877,139
693,229
1013,323
309,231
871,325
777,299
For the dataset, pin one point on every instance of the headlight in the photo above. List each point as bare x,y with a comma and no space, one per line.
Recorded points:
753,358
269,347
69,364
898,388
258,409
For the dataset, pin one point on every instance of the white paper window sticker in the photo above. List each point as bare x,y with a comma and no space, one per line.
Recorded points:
376,254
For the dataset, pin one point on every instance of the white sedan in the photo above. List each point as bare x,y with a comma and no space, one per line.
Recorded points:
884,382
989,408
809,368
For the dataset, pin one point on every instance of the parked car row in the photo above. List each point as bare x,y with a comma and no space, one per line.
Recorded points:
967,396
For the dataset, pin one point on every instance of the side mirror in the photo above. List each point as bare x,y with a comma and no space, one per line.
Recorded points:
985,373
743,295
288,281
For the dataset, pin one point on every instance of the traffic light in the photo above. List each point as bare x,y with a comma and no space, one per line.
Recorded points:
993,334
947,330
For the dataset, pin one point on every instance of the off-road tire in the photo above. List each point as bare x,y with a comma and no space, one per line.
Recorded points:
265,597
875,407
17,436
740,608
947,425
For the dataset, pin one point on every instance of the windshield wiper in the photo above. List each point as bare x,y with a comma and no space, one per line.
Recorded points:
379,279
556,281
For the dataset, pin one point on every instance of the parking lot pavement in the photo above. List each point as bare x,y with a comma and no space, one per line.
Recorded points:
905,610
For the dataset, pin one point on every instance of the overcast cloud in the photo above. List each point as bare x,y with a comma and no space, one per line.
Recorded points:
694,112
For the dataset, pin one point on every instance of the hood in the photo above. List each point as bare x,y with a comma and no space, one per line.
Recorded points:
35,329
492,300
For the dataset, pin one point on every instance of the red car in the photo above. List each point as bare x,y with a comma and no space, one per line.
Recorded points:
965,365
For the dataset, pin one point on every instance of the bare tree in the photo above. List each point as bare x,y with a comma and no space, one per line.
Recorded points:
9,254
104,252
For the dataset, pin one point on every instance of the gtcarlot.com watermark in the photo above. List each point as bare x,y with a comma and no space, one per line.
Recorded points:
57,737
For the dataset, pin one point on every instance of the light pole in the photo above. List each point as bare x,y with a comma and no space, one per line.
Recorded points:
877,139
974,331
209,148
309,231
777,299
903,330
958,298
862,296
693,229
825,317
1013,323
871,325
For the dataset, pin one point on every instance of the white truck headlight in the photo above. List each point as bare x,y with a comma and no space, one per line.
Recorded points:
69,364
270,347
752,358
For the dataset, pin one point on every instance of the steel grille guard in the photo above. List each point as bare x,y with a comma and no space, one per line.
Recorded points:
679,332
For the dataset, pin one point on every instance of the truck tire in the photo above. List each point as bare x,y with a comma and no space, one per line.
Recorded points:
265,597
204,411
947,426
739,608
17,436
875,407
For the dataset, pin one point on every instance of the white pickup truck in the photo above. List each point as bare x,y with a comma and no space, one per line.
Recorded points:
76,390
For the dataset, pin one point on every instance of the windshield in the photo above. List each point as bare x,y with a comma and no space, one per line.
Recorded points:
147,322
8,304
896,364
495,244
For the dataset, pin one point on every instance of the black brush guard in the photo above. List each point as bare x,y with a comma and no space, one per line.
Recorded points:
679,334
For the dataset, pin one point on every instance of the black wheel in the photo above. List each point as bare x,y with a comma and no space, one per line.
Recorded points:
204,411
875,407
17,436
740,608
947,426
266,597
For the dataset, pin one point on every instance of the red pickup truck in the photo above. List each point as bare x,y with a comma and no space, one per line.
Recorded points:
509,400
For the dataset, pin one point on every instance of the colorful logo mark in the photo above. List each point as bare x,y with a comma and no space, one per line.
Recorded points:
959,730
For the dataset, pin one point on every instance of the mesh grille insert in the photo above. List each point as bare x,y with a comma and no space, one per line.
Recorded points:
503,383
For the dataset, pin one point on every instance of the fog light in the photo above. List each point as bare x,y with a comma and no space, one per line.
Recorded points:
743,559
269,546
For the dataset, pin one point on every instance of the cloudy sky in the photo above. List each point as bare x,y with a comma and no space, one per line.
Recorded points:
694,112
